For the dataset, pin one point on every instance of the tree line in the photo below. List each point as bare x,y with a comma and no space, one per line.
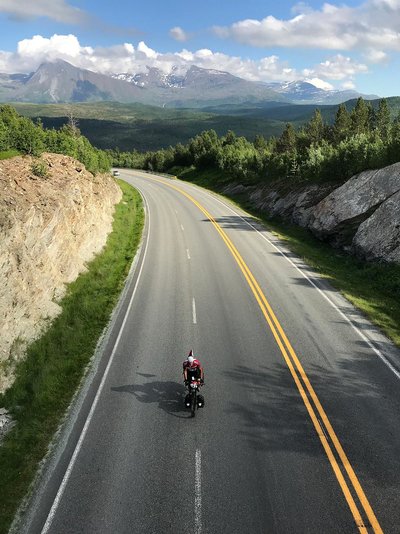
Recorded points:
28,137
364,138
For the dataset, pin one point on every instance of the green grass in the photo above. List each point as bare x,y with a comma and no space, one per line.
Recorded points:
55,363
6,154
374,288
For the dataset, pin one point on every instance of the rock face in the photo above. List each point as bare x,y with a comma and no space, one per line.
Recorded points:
362,215
50,227
379,236
341,213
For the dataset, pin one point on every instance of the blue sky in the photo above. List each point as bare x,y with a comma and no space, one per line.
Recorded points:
334,45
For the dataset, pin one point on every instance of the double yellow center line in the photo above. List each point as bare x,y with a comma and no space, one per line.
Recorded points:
333,449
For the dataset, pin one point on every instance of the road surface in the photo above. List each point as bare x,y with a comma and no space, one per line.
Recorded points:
301,428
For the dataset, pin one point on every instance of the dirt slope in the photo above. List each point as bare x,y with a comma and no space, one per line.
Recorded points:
49,228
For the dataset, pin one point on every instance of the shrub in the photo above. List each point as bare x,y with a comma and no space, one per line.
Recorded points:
40,168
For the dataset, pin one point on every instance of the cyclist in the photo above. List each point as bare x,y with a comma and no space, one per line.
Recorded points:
192,369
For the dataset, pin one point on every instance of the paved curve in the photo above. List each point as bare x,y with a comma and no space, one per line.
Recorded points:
253,460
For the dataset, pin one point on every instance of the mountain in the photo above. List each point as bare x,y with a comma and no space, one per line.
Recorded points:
60,81
215,84
301,92
200,87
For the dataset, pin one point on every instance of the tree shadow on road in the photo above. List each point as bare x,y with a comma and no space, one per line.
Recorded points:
275,417
169,395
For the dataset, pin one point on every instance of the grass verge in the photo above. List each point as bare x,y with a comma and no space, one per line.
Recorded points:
6,154
372,287
48,377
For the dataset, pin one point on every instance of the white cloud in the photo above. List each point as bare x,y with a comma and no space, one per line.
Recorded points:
57,10
58,45
145,50
178,34
374,24
375,56
126,57
348,85
337,68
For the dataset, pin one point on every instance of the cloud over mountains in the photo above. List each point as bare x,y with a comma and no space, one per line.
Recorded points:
126,57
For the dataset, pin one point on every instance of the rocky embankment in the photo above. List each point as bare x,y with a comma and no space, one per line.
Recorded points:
362,216
50,227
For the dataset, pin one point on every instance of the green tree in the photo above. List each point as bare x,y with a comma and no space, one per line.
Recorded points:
287,141
342,124
260,143
29,138
205,149
4,136
315,129
182,156
229,138
382,119
360,117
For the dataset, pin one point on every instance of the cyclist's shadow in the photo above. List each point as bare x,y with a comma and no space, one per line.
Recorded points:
169,395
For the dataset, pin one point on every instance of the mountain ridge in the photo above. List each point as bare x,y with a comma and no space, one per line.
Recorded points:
60,81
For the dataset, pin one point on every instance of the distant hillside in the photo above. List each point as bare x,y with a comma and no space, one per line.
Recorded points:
129,126
295,113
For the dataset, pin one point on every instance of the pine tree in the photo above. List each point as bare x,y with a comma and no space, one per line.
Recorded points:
360,117
287,141
315,128
382,119
342,125
260,143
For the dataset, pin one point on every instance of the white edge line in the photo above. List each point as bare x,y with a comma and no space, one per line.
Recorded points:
182,227
71,464
363,336
194,311
188,253
197,493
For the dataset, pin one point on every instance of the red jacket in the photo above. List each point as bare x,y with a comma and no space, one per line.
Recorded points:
195,365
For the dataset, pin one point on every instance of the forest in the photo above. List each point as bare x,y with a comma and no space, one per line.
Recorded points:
22,135
364,138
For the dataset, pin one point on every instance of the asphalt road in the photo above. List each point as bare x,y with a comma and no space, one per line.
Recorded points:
300,432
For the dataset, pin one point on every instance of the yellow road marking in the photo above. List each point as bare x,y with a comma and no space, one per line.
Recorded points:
294,363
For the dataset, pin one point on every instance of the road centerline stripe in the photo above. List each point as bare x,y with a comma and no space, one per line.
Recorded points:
299,375
188,253
197,493
321,291
194,311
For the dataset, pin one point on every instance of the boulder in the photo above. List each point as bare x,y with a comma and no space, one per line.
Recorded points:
338,216
378,238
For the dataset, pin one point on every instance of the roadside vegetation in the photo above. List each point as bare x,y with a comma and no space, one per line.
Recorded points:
365,138
55,364
7,154
20,135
